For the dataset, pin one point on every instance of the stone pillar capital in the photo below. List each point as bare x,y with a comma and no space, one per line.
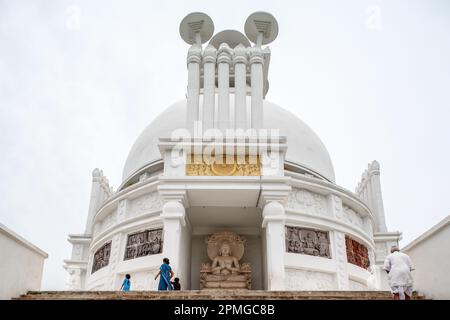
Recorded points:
256,55
174,210
194,54
224,54
273,211
210,54
240,54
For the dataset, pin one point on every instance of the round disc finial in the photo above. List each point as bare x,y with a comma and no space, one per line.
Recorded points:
261,23
196,23
230,37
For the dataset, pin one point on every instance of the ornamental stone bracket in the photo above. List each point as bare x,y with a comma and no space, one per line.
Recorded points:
173,191
274,189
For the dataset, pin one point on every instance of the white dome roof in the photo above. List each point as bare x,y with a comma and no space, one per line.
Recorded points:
304,146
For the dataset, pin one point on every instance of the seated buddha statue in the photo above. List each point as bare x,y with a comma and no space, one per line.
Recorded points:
225,263
225,249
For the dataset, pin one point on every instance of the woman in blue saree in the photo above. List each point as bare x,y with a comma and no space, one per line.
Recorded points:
166,273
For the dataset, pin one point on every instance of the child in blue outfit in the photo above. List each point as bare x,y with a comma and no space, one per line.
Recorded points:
126,284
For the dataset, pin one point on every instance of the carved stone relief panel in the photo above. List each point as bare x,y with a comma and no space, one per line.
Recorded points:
145,203
107,222
101,257
144,243
309,280
368,228
356,286
357,253
352,218
247,166
308,202
308,241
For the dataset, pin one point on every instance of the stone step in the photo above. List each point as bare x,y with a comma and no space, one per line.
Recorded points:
210,295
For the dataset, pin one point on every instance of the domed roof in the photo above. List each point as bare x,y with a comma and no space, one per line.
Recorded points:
304,146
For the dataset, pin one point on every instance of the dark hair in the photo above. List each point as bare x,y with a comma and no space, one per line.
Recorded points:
166,260
177,279
127,276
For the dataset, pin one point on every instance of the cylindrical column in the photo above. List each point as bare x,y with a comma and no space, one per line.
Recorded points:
256,62
173,217
193,90
209,86
224,56
273,222
240,64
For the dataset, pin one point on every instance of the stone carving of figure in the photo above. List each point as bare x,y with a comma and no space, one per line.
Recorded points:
309,241
323,245
225,249
225,263
143,244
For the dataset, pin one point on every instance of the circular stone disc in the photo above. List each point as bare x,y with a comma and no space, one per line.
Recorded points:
230,37
261,21
196,21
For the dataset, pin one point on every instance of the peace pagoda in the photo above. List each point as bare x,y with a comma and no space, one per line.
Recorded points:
236,191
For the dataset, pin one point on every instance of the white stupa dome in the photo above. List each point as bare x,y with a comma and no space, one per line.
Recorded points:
305,148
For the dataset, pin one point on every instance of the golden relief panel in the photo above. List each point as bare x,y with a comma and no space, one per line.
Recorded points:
237,168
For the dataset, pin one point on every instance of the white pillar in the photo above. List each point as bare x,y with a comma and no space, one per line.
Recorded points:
95,199
256,63
340,256
193,90
377,199
224,56
209,86
173,217
274,232
240,74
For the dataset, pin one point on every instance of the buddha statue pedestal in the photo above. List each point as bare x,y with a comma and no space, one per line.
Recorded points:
225,249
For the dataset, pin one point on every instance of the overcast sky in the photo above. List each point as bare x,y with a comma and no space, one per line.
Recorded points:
79,81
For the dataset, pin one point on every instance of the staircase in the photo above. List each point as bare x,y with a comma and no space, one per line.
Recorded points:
210,295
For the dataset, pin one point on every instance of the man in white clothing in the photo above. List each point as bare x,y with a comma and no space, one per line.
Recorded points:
398,265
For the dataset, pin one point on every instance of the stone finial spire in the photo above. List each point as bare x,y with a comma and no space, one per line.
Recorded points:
100,192
369,190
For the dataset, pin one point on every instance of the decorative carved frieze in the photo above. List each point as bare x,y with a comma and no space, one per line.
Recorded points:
306,201
101,257
308,241
144,243
357,253
145,203
309,280
352,218
237,167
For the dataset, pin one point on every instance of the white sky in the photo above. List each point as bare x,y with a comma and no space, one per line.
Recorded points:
370,77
